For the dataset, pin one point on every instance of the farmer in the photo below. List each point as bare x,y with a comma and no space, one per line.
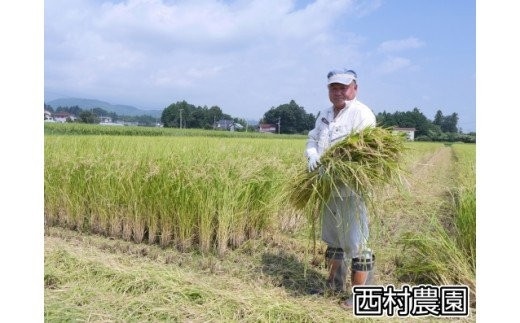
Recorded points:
344,218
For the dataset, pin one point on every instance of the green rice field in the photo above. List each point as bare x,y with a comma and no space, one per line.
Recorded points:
195,225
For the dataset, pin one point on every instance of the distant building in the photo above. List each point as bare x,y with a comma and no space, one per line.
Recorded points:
410,132
47,116
227,125
105,120
224,124
267,127
63,117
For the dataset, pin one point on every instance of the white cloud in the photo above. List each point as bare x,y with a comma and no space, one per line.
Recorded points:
393,64
151,53
366,7
400,45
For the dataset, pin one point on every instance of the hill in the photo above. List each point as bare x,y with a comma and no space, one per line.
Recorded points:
119,109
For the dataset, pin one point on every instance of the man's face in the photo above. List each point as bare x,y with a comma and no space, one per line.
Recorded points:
339,93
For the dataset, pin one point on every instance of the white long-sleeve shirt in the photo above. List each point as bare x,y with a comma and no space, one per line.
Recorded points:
355,116
345,221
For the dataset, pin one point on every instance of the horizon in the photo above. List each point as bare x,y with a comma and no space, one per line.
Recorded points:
247,119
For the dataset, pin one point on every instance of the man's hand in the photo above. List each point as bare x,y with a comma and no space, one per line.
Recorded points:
314,159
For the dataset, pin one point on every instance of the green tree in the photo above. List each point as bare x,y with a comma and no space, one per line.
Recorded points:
438,119
408,119
449,123
293,118
88,117
74,110
192,116
177,112
214,114
242,122
386,119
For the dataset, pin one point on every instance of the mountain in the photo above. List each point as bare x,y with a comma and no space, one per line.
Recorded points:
119,109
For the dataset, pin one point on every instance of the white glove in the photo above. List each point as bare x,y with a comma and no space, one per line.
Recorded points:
314,159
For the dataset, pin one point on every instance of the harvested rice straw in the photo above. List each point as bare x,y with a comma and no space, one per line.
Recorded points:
364,161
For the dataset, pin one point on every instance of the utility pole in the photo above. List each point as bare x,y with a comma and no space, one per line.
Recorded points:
279,119
180,121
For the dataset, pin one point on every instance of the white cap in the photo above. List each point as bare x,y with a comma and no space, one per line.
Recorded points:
341,76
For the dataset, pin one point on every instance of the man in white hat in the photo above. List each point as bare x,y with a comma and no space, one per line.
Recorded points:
344,219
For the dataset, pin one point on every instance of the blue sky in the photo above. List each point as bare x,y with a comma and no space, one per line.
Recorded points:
247,56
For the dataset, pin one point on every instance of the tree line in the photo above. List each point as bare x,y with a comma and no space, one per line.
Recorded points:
291,117
442,128
288,118
93,115
294,119
185,115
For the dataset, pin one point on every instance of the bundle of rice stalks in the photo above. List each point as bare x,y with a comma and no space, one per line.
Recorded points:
363,161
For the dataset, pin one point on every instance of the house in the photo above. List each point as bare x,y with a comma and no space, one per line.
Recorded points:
224,124
105,120
63,117
410,132
227,125
267,127
47,116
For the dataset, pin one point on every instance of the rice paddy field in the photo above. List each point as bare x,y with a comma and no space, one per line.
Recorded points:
194,225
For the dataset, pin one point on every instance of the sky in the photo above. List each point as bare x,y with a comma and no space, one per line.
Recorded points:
249,56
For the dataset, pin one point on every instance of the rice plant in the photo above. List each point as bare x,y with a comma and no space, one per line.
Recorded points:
466,201
210,193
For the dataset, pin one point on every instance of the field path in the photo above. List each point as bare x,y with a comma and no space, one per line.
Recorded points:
427,194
